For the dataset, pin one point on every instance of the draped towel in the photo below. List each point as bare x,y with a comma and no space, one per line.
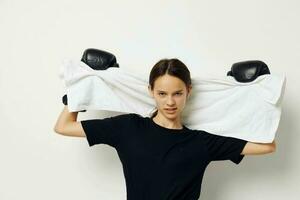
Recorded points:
219,105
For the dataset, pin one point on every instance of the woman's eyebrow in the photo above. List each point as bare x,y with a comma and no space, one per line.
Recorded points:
164,91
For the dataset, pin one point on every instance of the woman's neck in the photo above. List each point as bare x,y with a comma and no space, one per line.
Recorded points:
165,122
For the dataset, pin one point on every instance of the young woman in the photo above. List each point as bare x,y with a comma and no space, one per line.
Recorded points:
161,157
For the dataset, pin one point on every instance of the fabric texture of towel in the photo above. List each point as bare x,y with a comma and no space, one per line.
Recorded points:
221,106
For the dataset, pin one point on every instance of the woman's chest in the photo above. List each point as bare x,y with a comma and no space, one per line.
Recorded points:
185,151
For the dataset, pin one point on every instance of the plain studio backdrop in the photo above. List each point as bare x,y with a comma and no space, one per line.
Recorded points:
208,36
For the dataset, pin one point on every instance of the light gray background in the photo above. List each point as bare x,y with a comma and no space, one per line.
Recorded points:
209,36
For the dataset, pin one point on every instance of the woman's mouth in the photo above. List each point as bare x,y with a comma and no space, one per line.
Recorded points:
170,110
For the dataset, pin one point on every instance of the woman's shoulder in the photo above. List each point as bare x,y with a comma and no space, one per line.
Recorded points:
134,117
137,122
129,115
138,116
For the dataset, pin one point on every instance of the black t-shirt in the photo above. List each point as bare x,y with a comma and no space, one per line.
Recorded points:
161,163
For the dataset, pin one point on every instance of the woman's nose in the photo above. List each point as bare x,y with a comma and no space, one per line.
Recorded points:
170,101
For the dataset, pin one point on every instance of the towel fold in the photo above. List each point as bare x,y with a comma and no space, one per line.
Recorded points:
221,106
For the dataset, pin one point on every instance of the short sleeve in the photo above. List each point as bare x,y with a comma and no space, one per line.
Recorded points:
106,131
224,148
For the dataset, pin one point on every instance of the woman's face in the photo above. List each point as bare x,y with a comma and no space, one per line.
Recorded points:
170,92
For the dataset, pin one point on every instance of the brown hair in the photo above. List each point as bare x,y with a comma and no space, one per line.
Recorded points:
173,67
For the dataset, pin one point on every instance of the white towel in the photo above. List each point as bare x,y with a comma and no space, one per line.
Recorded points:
221,106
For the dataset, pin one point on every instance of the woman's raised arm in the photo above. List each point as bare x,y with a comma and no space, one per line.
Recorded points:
252,148
67,124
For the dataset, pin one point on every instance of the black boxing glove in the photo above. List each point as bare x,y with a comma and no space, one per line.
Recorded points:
65,99
248,71
99,59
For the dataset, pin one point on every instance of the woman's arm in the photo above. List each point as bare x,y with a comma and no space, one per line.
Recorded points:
252,148
67,124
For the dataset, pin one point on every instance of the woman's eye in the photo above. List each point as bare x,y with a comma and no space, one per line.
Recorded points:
178,93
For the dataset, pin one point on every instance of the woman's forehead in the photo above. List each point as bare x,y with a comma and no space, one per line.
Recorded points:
169,83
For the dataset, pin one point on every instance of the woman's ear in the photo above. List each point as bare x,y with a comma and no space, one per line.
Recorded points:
150,91
189,91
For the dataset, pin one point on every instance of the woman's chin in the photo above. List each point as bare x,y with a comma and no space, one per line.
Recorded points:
171,115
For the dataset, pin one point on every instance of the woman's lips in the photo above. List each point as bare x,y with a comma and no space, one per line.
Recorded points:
168,110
